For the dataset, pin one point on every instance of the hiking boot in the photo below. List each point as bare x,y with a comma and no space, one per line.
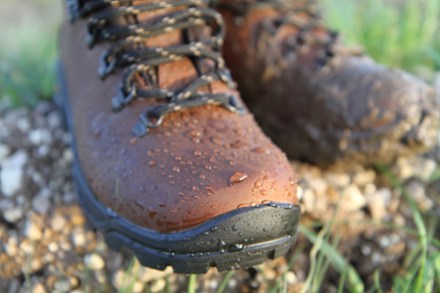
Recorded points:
168,162
319,100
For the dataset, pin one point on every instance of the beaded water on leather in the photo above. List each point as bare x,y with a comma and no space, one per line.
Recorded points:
142,60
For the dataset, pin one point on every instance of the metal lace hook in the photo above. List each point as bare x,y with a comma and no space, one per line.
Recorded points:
148,120
121,99
105,68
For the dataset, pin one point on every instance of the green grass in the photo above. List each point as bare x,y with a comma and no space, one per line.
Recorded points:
422,263
28,50
400,33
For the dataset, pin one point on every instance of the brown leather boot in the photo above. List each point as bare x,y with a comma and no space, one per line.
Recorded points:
168,161
320,101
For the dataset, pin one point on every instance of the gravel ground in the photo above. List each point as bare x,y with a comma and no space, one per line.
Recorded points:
46,245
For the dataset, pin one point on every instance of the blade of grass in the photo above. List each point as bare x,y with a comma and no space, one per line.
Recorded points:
377,285
337,261
221,288
342,279
192,283
419,283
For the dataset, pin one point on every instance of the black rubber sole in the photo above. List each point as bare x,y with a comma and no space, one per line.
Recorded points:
239,239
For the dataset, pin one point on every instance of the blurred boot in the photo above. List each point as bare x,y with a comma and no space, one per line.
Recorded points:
317,99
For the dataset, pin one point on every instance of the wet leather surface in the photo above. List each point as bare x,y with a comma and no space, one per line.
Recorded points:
180,174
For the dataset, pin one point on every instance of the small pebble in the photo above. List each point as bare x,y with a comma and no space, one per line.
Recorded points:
158,285
4,152
291,277
41,204
79,238
11,173
417,190
13,215
62,285
94,261
5,204
364,177
32,230
352,198
319,185
377,203
39,288
40,136
138,287
338,179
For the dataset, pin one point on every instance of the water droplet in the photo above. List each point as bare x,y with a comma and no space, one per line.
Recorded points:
216,141
194,133
202,176
260,150
152,163
221,243
234,228
237,177
195,188
213,229
197,153
238,144
209,190
178,158
151,212
258,183
208,167
139,204
236,247
176,169
150,153
263,192
96,131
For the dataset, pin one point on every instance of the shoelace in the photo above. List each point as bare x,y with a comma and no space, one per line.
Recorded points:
142,60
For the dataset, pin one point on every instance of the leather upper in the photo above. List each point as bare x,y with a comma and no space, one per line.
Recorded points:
198,164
